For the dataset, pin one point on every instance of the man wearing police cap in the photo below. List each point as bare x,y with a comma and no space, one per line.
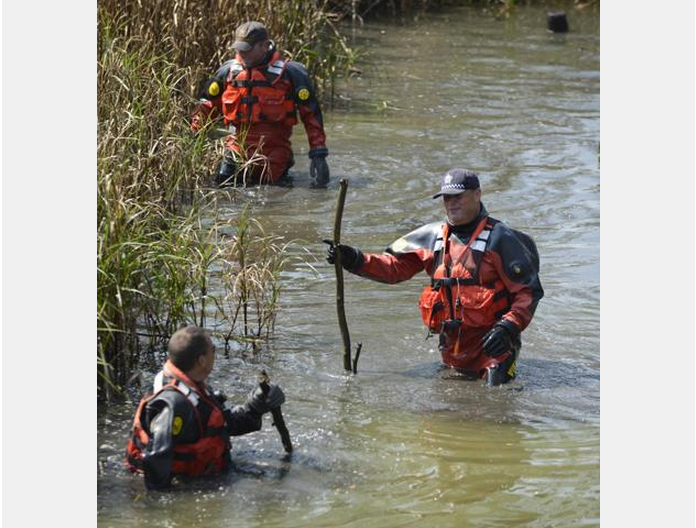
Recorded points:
259,95
484,284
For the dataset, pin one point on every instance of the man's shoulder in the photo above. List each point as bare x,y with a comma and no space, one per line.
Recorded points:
169,394
511,243
296,71
500,228
296,66
231,65
502,232
423,237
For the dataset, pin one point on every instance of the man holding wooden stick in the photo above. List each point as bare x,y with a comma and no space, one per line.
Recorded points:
484,284
184,429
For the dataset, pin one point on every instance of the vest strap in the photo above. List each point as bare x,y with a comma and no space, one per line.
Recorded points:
447,260
213,431
249,83
452,281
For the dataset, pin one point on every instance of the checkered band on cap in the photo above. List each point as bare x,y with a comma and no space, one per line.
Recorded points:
449,186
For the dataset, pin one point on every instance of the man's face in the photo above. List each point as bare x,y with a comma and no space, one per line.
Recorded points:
208,360
462,208
254,56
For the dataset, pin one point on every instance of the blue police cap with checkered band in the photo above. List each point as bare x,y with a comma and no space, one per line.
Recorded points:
456,181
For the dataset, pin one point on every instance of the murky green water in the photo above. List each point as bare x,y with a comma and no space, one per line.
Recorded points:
401,445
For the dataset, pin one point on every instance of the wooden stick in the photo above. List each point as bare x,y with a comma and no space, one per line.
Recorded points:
357,356
342,323
278,420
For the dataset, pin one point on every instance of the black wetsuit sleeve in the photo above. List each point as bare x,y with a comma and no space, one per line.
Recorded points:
169,408
517,262
308,106
219,77
242,420
159,453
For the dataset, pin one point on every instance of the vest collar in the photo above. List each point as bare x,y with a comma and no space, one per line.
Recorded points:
270,59
171,370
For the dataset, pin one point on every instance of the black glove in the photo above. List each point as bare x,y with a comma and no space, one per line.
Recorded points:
319,172
220,397
500,338
228,169
259,403
351,258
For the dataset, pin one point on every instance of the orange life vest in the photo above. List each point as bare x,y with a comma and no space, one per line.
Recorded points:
456,291
259,95
205,456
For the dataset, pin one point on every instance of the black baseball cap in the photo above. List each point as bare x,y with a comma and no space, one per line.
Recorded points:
456,181
249,34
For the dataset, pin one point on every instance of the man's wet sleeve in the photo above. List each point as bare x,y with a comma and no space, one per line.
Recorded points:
210,98
405,257
307,104
517,268
159,452
242,420
391,268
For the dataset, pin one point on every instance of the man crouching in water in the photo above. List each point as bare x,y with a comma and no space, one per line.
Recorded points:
484,283
184,429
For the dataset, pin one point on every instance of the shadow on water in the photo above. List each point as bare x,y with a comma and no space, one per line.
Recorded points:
539,373
532,373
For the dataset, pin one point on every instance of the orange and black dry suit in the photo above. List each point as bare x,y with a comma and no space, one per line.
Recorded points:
183,429
480,273
262,104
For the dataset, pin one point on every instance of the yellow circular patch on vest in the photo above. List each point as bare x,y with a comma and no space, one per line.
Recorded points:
177,424
214,89
303,94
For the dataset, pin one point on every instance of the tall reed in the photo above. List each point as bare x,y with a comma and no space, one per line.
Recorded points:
163,235
197,34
